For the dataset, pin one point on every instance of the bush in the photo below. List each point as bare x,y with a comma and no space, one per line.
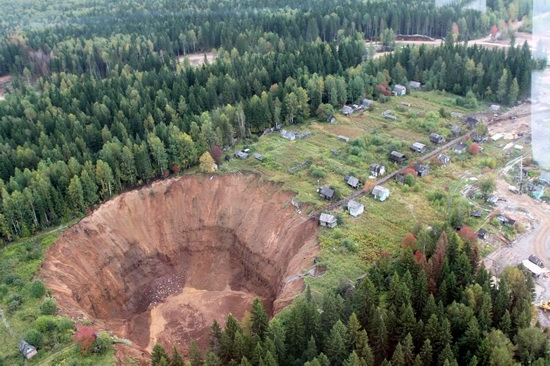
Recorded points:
10,279
14,302
37,289
409,180
103,343
34,337
45,323
350,245
3,291
317,172
85,338
48,307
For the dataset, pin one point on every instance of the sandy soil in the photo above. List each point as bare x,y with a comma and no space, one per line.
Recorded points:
159,264
197,59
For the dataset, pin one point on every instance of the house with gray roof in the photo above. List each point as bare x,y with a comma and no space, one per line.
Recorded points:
326,193
399,90
418,147
289,135
327,220
414,85
347,110
355,208
380,193
352,181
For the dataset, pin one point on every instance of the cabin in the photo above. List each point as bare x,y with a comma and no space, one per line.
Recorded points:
492,200
397,157
241,154
289,135
351,181
418,147
258,156
495,107
414,85
389,115
482,234
347,110
421,170
437,139
367,103
327,220
505,220
331,119
399,90
476,213
456,130
471,122
478,138
444,159
302,135
532,268
380,193
544,178
460,148
28,351
343,138
326,193
377,170
355,208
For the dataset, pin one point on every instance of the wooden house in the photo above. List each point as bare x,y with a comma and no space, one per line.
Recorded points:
380,193
327,220
437,139
418,147
355,208
397,157
326,193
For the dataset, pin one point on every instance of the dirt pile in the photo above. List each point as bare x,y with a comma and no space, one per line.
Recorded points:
159,264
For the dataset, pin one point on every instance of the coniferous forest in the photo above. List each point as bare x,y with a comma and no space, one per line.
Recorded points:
99,103
103,99
429,307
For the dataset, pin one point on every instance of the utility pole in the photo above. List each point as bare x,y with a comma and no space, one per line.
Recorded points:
520,174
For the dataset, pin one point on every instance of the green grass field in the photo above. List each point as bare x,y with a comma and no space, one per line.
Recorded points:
347,250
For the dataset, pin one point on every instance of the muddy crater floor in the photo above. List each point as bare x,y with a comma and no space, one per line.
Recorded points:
159,264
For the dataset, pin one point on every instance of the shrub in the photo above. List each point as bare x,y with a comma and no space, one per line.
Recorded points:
14,302
85,338
103,343
34,337
37,289
10,279
317,172
48,307
65,324
474,149
3,291
409,180
45,323
350,245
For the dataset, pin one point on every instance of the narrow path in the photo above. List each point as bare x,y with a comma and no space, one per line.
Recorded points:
5,321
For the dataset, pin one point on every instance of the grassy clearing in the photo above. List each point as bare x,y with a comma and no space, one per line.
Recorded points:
347,250
22,298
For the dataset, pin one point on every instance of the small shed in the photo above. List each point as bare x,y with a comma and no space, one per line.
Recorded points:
241,154
476,213
367,103
418,147
258,156
414,85
460,148
456,130
327,220
380,193
400,178
535,270
331,119
399,90
326,193
437,139
397,157
28,351
545,178
302,135
343,138
377,170
482,234
421,169
537,192
352,181
388,114
347,110
471,122
495,107
355,208
444,159
478,138
289,135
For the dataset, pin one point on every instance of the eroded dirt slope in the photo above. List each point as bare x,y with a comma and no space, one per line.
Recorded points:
161,263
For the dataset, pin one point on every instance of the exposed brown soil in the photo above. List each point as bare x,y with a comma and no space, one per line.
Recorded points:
159,264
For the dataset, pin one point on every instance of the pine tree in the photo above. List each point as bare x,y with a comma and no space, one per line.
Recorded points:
311,351
158,355
337,344
177,359
195,356
259,319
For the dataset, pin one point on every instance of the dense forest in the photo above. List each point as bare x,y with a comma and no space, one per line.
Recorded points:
432,306
99,105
